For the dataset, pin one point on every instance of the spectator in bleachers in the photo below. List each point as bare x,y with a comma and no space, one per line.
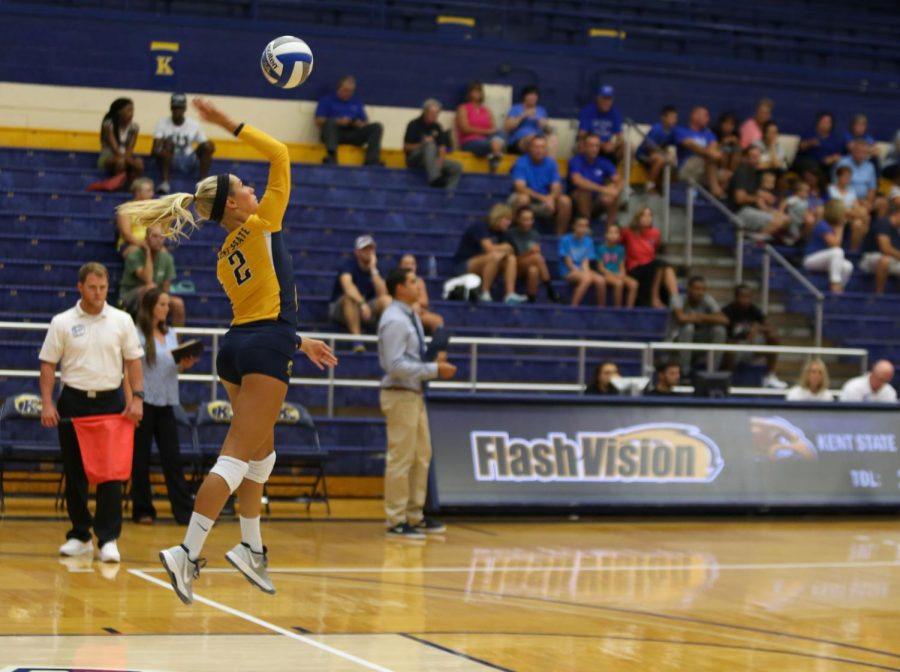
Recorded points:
603,119
656,280
611,265
820,149
755,208
150,265
653,151
668,375
526,121
532,267
173,145
772,157
747,325
536,182
697,318
475,126
859,132
133,234
485,251
602,382
426,145
699,156
726,131
891,169
118,135
342,119
857,214
576,252
813,384
874,386
752,130
863,176
823,249
881,249
801,216
593,181
160,399
430,320
359,295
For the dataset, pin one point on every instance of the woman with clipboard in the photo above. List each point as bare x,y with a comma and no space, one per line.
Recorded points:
163,361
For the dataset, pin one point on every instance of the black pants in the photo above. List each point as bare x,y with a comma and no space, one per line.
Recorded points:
159,422
369,135
646,276
107,522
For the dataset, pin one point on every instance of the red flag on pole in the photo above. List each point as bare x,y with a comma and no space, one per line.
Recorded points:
107,446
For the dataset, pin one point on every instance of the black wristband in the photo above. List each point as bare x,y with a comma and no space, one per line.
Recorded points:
238,130
138,393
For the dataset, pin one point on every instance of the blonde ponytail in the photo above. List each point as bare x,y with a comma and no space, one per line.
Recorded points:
171,214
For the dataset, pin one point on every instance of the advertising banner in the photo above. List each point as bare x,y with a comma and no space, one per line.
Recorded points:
562,452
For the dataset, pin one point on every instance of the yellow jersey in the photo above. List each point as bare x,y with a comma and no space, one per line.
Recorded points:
254,266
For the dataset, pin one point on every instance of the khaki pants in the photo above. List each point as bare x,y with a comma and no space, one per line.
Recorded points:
408,457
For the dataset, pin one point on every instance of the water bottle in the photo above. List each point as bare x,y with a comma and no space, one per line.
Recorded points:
432,267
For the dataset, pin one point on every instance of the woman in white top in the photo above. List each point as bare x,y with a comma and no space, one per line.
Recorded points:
772,158
813,384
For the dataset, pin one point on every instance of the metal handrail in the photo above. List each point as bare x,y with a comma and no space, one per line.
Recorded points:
721,207
667,176
770,252
647,350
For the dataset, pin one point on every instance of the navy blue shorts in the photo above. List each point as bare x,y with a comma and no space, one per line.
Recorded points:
258,347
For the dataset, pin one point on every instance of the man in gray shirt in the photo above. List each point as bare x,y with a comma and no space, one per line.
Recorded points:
401,353
697,318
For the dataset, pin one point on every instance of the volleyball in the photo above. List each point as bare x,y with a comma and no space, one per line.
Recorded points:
286,62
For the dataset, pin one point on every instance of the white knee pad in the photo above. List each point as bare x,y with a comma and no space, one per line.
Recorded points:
260,470
231,470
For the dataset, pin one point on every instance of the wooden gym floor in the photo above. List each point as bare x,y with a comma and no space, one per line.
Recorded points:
799,595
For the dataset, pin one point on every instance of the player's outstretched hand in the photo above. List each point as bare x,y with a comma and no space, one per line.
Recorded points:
209,112
318,352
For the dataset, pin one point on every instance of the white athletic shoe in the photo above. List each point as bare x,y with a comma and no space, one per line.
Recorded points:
182,571
76,547
771,380
109,552
252,565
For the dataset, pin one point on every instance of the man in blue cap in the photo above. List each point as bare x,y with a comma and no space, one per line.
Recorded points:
603,119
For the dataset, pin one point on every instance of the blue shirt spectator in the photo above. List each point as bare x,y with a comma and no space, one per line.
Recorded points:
332,107
601,170
817,242
863,177
539,177
605,124
611,257
530,125
577,249
362,278
658,137
702,137
821,143
470,243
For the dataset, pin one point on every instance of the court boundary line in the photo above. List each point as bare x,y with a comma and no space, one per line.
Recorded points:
447,649
568,568
265,624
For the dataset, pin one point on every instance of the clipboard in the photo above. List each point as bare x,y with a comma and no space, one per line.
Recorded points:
440,341
191,348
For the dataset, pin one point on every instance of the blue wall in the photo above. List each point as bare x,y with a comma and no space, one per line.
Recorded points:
111,49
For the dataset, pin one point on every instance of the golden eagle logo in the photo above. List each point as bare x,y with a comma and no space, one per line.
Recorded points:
776,439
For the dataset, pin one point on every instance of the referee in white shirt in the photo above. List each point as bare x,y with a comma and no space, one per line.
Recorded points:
91,341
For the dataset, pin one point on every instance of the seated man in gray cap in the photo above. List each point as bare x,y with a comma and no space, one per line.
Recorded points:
173,145
359,295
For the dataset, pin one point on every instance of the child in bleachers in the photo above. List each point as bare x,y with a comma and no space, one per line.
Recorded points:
801,217
576,252
132,234
118,135
652,152
611,264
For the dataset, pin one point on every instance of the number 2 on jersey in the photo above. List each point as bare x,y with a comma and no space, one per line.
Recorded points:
238,263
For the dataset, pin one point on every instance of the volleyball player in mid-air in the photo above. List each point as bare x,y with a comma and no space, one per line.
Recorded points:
254,363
